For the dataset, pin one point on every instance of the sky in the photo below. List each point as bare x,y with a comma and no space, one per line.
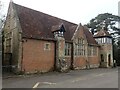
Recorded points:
76,11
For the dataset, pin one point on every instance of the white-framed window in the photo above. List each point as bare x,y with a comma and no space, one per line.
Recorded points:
59,33
98,40
67,49
104,40
76,49
89,51
108,40
80,47
92,50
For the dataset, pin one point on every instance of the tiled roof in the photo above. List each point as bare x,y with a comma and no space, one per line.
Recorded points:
36,24
89,36
39,25
102,33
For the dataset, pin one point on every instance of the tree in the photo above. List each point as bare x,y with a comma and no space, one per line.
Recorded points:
109,22
2,20
2,16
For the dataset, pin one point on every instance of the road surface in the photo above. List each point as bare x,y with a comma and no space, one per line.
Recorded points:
92,78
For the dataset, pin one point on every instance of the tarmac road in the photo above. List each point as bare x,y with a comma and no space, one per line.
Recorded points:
92,78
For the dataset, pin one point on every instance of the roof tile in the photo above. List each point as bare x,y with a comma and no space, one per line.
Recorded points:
89,36
102,33
39,25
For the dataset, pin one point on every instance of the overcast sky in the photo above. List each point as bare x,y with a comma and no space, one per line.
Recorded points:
76,11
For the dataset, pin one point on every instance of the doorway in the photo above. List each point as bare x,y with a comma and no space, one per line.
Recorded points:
7,63
109,60
102,58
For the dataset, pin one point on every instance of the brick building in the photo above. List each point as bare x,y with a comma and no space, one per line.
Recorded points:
106,49
37,42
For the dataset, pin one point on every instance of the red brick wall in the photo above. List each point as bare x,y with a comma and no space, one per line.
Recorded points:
36,58
79,62
106,47
93,60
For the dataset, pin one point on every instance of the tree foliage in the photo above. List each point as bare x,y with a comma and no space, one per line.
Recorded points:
2,16
107,20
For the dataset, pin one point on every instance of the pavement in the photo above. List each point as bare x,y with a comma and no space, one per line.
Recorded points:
92,78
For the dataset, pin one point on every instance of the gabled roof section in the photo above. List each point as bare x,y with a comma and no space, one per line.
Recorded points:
83,32
59,27
89,36
78,27
102,33
37,25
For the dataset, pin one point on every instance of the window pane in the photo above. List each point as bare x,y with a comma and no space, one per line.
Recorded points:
67,49
79,47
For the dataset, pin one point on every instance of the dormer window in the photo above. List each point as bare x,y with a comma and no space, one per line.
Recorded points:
58,30
60,33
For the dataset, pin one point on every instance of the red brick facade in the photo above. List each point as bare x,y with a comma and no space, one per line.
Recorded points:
36,58
79,63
